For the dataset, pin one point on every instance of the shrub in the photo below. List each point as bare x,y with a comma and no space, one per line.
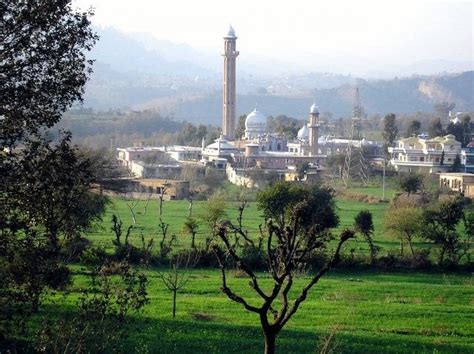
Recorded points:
252,256
205,258
72,249
102,311
93,256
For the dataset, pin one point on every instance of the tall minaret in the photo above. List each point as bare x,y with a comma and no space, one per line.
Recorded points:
228,114
313,127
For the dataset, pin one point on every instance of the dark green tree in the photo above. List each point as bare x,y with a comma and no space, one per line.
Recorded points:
410,182
240,129
283,125
457,130
457,166
461,130
413,128
302,169
390,130
298,223
440,225
43,64
201,132
363,223
188,135
45,186
191,227
468,130
435,128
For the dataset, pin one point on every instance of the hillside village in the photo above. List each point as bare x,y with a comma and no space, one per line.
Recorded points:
335,216
238,157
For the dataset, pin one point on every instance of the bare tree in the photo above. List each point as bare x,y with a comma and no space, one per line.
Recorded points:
165,246
131,204
117,229
163,190
191,226
177,276
298,223
146,203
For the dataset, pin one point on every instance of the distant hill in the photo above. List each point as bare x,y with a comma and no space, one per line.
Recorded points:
127,54
381,96
138,71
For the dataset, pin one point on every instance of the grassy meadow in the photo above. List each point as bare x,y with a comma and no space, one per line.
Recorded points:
366,311
175,212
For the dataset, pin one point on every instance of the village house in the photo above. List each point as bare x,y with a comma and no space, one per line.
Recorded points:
458,182
425,155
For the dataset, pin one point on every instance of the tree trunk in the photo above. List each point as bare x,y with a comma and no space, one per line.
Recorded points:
193,246
401,248
174,303
270,339
441,256
412,251
35,302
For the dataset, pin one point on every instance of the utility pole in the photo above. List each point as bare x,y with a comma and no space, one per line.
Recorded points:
383,180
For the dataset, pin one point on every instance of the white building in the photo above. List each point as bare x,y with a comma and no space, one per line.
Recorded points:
219,152
140,169
425,155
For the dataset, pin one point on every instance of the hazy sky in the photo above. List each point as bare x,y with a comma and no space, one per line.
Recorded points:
354,34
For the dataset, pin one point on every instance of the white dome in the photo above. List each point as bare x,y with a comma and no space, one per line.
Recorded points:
255,119
314,108
255,124
303,133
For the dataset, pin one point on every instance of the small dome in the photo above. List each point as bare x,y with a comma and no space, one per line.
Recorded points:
314,108
231,32
303,133
220,144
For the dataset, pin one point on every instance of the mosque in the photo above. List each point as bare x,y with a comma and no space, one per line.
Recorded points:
257,147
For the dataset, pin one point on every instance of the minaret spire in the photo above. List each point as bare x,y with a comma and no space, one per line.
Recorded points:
229,85
313,128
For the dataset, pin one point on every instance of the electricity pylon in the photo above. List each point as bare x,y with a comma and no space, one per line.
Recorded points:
355,164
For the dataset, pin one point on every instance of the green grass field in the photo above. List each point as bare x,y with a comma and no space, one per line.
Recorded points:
375,312
176,211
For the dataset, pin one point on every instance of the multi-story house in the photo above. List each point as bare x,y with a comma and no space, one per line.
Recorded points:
467,158
425,155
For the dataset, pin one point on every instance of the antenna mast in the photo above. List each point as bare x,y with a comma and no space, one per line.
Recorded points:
355,164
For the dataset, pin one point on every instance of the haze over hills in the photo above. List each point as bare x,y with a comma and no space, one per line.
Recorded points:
138,71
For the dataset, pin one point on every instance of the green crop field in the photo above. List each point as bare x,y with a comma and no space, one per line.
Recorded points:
367,311
373,312
176,211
